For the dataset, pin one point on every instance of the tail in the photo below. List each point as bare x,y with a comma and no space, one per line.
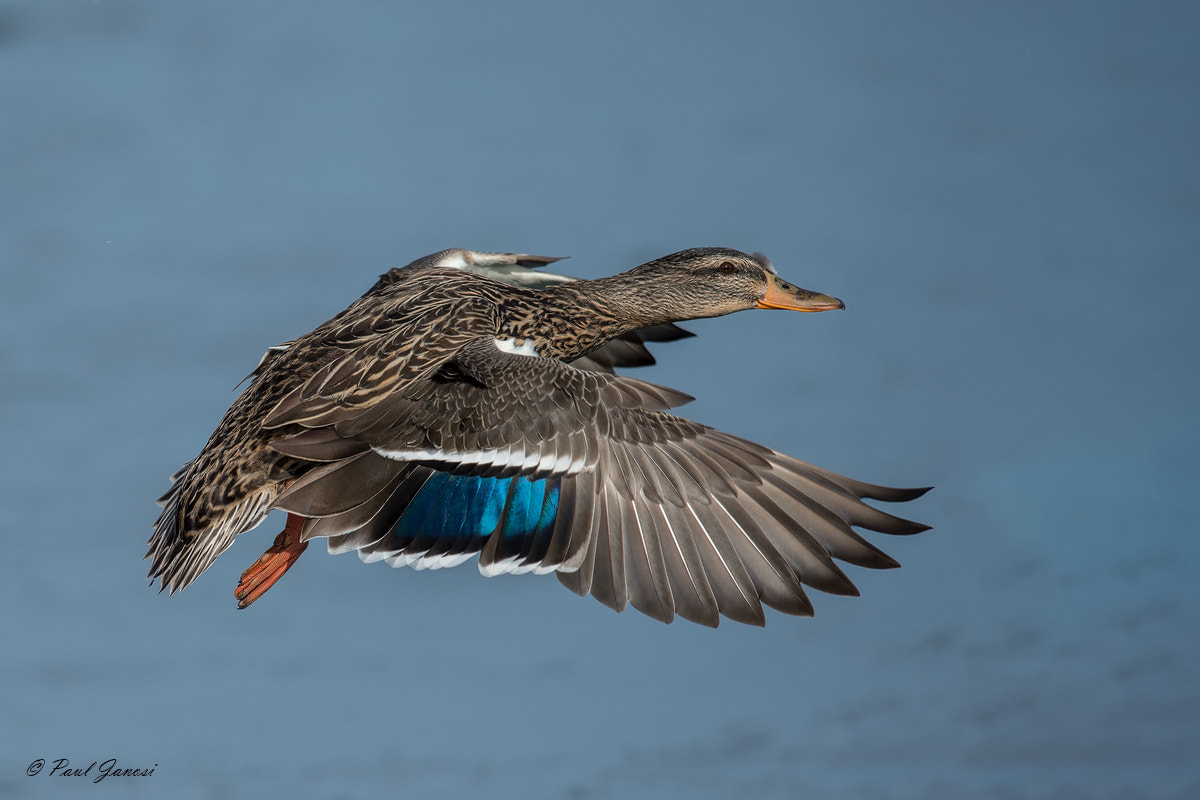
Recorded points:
179,551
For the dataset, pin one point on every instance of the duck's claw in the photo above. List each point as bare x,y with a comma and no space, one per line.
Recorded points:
272,564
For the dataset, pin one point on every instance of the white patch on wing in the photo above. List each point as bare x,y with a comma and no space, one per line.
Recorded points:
438,562
526,348
564,465
453,259
499,567
417,561
547,462
371,558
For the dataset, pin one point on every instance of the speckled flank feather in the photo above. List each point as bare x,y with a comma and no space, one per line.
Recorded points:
466,406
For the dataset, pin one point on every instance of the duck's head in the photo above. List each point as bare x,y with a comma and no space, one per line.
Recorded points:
713,281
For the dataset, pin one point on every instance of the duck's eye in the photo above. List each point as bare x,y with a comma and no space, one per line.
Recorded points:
727,268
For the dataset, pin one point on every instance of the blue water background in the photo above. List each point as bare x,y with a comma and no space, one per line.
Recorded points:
1006,195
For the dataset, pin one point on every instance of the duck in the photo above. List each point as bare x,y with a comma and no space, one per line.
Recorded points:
468,406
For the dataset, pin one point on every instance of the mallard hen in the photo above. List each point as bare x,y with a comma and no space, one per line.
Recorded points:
464,406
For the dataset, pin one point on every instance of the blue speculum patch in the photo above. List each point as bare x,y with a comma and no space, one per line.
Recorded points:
471,506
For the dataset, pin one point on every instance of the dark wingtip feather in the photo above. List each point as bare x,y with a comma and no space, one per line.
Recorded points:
666,332
912,528
884,561
848,590
797,606
889,494
898,526
538,261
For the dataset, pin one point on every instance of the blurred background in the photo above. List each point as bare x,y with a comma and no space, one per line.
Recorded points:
1005,195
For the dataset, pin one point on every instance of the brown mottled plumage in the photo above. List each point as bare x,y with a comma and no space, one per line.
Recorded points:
473,365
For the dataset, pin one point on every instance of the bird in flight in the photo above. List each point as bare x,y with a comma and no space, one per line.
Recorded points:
467,406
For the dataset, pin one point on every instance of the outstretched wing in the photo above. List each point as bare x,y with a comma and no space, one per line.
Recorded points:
536,465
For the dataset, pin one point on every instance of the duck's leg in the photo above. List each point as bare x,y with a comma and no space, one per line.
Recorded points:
271,565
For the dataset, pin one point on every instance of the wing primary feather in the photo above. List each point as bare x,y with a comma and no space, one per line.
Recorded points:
608,578
690,590
805,554
834,533
645,572
776,582
821,488
734,589
587,522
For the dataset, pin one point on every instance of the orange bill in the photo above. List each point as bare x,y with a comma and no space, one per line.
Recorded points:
781,294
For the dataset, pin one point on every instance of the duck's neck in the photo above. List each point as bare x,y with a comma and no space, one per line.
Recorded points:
575,318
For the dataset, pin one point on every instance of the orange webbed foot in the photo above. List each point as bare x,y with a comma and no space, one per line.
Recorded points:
272,564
